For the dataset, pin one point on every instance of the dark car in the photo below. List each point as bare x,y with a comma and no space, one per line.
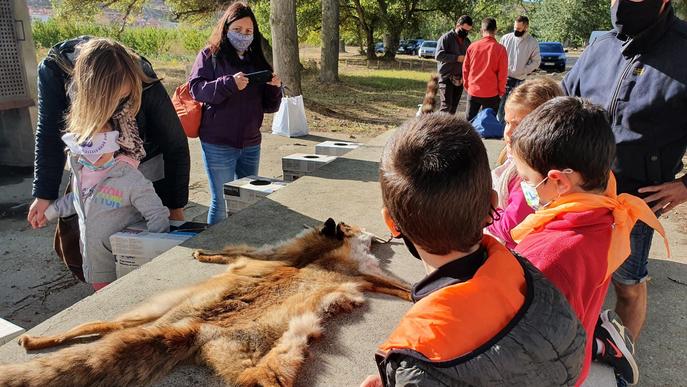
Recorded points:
552,56
410,46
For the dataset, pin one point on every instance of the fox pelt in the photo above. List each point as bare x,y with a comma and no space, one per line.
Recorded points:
251,324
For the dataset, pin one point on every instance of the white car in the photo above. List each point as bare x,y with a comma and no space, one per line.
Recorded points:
427,49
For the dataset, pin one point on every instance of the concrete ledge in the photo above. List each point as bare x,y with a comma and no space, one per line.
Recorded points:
346,190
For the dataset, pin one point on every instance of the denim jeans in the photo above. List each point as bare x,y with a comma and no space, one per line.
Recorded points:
635,268
224,164
511,84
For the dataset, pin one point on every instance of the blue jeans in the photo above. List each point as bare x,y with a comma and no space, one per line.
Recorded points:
635,268
511,84
224,164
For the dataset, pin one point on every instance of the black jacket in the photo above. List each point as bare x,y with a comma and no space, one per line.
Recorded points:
447,53
642,82
543,345
158,125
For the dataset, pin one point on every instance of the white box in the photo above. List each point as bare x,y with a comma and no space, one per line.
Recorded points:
251,188
303,162
235,205
9,331
134,246
335,148
290,176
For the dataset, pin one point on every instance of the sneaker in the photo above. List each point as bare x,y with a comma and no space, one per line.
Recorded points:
618,346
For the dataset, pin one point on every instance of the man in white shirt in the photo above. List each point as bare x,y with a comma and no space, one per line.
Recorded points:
523,57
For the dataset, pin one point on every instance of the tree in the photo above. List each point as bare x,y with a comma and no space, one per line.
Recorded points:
285,44
329,53
367,19
571,21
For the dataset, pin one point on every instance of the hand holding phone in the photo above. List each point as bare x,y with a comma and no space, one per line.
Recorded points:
259,77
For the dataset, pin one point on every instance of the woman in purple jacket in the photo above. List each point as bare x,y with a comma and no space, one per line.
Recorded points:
233,108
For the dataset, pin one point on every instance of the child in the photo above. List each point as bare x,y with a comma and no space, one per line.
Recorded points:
482,316
580,231
108,192
512,207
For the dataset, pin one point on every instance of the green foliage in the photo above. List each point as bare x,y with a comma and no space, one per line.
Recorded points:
193,39
571,21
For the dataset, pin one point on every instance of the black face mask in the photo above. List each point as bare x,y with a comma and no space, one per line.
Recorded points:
411,247
518,33
462,33
631,18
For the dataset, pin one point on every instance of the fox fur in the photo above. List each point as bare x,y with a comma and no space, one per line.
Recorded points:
429,102
251,324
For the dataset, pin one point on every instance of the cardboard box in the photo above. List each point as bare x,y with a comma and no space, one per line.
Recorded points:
134,246
303,162
9,331
251,188
335,148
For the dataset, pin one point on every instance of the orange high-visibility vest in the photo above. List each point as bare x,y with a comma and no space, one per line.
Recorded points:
456,320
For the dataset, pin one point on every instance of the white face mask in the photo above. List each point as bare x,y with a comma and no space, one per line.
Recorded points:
532,195
94,147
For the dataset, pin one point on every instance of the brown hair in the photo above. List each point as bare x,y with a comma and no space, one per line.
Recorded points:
102,68
218,41
436,182
568,132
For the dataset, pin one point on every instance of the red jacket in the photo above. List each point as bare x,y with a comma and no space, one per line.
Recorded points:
485,69
572,252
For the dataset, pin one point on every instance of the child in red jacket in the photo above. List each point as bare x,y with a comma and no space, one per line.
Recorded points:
580,232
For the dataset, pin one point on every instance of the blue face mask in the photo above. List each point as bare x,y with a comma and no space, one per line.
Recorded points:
93,167
532,195
240,41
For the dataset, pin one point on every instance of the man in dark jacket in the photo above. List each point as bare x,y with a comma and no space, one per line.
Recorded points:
637,71
167,163
450,53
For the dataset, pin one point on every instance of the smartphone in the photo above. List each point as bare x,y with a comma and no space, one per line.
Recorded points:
259,77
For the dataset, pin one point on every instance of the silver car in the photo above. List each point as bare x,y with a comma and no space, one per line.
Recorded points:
427,49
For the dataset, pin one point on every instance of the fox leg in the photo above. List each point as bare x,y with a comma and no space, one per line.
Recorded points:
386,285
150,311
228,255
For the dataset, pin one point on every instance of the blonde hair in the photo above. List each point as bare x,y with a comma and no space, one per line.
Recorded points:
529,95
102,68
534,92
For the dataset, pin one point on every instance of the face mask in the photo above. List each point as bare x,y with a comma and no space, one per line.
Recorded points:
93,167
462,33
94,147
518,33
532,195
631,18
240,41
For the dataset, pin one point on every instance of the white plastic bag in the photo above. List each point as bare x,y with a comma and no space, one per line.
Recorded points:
290,120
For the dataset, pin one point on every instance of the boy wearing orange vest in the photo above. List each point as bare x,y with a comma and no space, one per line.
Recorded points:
482,316
580,232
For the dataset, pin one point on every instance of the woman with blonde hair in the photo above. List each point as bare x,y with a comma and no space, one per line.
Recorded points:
233,105
108,192
160,135
512,205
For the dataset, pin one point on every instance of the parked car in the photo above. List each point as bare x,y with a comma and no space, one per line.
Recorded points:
427,49
410,46
594,35
552,55
379,47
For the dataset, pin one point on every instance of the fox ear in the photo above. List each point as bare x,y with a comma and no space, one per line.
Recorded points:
329,229
340,231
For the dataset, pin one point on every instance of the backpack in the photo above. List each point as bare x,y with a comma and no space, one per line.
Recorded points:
189,110
487,125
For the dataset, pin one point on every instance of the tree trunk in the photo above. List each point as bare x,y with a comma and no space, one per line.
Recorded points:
285,44
369,37
342,46
391,41
329,53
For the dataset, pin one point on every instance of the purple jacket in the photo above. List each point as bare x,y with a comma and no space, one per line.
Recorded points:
230,116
